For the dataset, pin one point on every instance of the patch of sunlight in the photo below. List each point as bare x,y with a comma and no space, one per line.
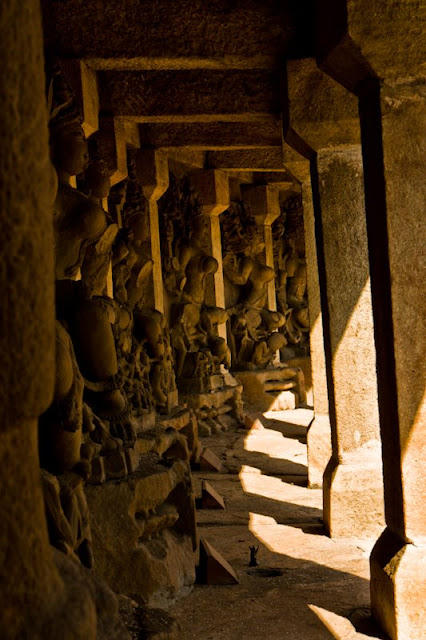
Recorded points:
415,440
298,417
339,627
295,543
272,444
255,482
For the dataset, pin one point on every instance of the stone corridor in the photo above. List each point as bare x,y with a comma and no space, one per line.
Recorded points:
320,589
212,232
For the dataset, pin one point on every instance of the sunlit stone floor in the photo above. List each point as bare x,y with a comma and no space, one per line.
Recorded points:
321,591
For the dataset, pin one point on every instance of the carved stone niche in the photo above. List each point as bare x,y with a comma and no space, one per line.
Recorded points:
255,333
200,354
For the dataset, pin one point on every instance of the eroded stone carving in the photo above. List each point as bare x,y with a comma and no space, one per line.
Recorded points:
114,366
256,333
188,267
291,281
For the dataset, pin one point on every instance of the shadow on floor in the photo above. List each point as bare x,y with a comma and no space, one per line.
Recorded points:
304,598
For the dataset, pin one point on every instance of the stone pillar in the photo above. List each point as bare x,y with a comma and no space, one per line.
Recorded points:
389,44
30,586
352,483
319,432
153,174
263,203
395,191
212,188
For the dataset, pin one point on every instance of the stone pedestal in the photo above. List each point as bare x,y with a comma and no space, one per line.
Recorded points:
275,389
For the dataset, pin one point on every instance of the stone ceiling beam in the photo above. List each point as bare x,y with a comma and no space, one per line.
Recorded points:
173,96
213,135
126,30
247,159
367,38
279,179
318,108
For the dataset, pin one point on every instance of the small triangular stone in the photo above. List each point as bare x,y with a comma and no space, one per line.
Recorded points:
214,569
210,498
210,462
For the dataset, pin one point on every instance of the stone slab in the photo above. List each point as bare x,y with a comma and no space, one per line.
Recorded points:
210,498
214,569
212,135
172,96
210,462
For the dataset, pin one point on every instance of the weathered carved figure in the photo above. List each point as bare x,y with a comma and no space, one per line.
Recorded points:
187,265
291,281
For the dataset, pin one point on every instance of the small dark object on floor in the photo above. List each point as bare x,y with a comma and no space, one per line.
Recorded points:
253,556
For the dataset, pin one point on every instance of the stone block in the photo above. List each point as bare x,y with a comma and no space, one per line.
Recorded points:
398,586
152,169
210,498
98,471
143,530
210,462
262,201
212,187
132,459
214,569
177,420
267,389
115,465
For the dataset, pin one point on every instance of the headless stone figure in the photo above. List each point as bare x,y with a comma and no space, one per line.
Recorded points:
81,230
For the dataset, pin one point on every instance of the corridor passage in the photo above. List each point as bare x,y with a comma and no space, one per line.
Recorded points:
306,586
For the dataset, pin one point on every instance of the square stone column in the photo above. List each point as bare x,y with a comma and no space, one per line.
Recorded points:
212,188
153,174
381,58
396,196
319,432
263,203
32,592
329,135
353,484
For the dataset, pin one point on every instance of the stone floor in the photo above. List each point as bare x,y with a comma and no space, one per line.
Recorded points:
306,587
